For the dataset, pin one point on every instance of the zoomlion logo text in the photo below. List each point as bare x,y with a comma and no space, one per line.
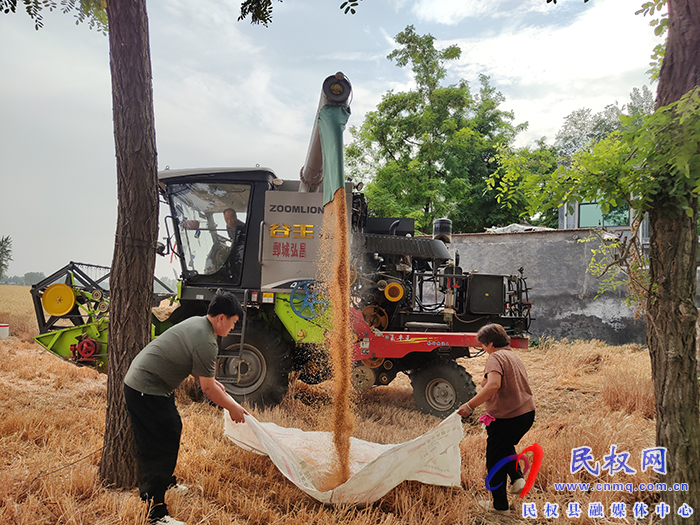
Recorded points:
537,452
286,208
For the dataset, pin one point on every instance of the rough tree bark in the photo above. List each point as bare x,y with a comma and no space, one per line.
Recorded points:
133,262
672,315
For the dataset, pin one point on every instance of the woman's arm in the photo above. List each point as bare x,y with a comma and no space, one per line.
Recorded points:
493,383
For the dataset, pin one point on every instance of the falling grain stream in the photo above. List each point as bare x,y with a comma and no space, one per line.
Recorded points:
339,289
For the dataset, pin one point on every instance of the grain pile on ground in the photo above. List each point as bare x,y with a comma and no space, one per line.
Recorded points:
52,415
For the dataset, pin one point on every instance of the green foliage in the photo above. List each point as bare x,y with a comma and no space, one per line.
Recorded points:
5,254
259,11
582,127
596,160
618,261
660,26
91,11
653,160
428,152
515,167
349,6
642,103
666,149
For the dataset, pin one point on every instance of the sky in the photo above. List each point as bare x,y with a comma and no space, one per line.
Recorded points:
232,94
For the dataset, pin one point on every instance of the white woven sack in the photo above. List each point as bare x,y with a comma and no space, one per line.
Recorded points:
307,459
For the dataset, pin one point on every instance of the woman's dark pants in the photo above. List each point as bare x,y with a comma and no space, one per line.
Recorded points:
503,435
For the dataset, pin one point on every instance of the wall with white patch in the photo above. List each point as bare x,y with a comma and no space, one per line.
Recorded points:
562,291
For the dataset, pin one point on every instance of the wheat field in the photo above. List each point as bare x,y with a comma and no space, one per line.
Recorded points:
52,422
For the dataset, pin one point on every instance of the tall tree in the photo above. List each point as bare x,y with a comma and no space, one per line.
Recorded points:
133,260
427,152
583,128
654,165
5,254
672,316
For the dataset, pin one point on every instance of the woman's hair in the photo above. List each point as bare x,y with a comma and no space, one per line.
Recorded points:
493,333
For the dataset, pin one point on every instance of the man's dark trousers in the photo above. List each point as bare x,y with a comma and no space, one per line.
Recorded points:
157,428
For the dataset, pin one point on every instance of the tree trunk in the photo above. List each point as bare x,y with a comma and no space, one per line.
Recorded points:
672,315
671,320
131,277
680,71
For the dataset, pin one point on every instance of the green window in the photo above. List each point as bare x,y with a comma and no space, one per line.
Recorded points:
591,216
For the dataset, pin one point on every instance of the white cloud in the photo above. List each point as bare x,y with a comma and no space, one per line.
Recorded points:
547,72
452,12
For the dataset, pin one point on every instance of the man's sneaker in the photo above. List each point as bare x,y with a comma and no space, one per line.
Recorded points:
517,487
179,489
168,520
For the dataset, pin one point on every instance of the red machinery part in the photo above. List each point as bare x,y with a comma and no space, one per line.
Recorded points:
87,348
372,343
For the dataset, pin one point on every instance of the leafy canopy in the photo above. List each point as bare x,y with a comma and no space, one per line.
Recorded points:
660,26
260,11
427,152
587,143
651,159
91,11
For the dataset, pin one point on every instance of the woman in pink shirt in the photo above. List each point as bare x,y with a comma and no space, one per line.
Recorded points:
507,397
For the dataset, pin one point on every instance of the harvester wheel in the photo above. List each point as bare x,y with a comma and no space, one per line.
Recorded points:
259,374
440,387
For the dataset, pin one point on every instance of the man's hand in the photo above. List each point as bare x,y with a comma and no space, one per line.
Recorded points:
237,413
216,392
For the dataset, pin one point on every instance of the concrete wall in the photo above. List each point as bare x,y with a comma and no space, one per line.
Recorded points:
561,290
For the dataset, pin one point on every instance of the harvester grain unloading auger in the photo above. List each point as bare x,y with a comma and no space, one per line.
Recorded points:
333,107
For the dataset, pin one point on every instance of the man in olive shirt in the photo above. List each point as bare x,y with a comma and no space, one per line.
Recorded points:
188,348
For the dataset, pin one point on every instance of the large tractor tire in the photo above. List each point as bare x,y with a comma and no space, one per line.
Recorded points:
440,387
260,373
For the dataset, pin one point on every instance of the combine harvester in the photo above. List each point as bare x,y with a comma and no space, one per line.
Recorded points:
414,309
